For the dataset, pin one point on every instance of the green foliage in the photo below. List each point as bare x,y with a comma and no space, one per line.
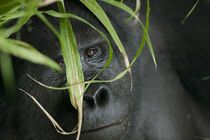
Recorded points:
22,10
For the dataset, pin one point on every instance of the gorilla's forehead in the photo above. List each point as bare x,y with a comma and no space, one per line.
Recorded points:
42,37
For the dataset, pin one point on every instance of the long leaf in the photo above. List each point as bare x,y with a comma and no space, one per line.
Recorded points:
10,46
74,71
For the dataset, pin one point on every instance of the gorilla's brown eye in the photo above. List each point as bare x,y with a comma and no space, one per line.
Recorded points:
61,63
91,52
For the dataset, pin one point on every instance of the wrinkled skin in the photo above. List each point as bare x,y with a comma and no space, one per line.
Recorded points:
167,103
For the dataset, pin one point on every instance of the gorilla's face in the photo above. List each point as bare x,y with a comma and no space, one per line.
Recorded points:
106,110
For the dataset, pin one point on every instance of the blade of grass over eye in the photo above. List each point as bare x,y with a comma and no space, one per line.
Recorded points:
130,11
74,71
96,9
29,54
190,12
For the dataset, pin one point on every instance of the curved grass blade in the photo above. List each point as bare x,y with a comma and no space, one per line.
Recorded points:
58,128
137,9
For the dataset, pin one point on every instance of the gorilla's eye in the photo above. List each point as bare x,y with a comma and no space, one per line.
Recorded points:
96,55
61,63
91,52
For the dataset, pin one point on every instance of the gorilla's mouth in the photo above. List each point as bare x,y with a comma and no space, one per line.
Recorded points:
124,122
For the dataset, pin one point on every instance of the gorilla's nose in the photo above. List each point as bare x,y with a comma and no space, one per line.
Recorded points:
96,96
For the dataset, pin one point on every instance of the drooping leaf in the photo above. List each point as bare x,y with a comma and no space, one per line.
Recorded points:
10,46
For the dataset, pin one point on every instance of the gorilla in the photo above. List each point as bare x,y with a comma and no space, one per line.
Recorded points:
170,102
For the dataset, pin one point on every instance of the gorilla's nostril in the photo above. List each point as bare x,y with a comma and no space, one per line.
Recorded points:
89,101
102,97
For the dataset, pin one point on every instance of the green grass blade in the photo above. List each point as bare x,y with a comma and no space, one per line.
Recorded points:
136,10
70,53
144,35
6,69
190,12
44,19
13,15
10,46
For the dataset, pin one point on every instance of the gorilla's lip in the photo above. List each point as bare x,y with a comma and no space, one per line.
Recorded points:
122,120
